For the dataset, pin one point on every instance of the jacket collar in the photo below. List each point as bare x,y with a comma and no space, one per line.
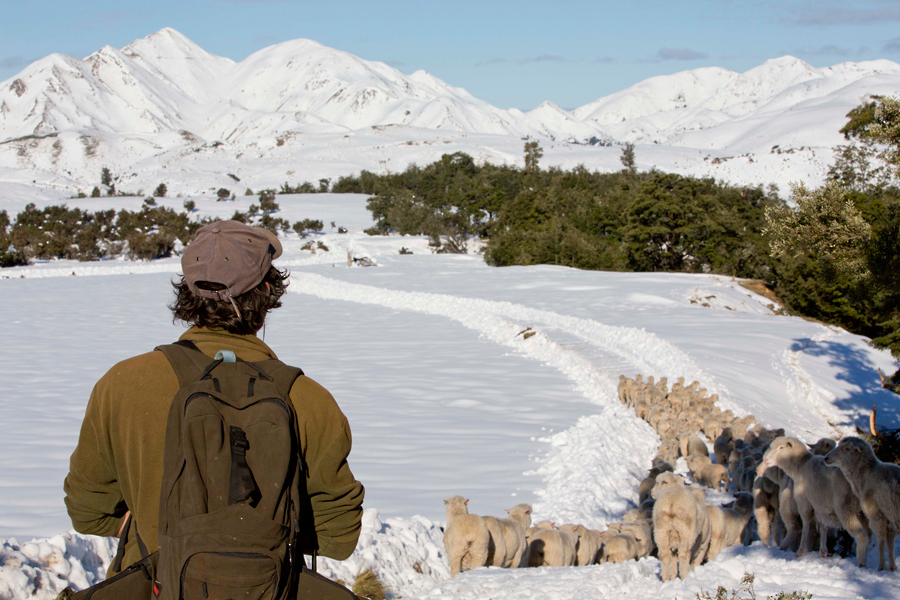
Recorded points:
249,347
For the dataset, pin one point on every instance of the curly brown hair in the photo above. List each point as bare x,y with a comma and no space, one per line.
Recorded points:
252,307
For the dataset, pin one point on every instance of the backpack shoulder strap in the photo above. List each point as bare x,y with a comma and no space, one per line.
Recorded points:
282,375
186,359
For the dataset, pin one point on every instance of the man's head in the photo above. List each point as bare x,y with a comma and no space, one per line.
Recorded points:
229,281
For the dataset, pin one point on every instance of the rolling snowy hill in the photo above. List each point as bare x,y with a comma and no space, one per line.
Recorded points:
163,106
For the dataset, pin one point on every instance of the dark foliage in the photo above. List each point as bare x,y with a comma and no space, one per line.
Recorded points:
72,233
616,221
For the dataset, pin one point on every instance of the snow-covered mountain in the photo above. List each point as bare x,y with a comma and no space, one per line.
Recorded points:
164,103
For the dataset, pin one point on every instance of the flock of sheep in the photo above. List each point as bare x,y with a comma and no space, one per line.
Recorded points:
795,494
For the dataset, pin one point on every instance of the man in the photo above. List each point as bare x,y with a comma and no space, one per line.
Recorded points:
228,287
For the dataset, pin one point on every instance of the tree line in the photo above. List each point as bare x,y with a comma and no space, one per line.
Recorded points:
831,253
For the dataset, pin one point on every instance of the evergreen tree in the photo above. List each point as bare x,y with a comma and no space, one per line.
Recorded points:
627,159
533,154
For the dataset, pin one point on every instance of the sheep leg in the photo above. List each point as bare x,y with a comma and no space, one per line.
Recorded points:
669,567
684,558
804,537
823,541
889,541
862,547
701,555
763,525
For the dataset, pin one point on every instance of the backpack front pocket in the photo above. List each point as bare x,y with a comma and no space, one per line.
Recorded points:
229,576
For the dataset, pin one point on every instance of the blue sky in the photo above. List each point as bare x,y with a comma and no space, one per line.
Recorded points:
509,53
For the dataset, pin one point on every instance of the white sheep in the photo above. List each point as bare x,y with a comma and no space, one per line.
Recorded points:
510,542
691,445
551,548
728,523
466,538
823,446
877,485
586,543
641,531
710,475
821,492
681,529
618,547
666,480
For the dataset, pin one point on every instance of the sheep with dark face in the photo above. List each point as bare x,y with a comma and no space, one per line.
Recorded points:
877,485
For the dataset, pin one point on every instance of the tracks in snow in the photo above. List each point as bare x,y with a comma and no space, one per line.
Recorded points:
593,468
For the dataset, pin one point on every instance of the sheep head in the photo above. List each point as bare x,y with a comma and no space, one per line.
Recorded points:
851,453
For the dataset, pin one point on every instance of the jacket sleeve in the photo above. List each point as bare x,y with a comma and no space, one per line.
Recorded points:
335,495
93,496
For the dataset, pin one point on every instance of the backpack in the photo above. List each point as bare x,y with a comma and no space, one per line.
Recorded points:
229,506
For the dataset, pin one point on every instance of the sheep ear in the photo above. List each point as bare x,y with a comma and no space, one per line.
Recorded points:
528,512
507,510
446,502
466,502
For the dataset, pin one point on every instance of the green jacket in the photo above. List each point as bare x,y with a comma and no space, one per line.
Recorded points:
118,462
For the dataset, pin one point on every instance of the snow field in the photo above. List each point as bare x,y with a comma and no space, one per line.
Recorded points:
444,396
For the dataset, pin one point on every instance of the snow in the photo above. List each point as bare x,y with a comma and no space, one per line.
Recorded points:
444,395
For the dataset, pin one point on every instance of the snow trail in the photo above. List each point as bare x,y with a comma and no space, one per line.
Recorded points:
583,482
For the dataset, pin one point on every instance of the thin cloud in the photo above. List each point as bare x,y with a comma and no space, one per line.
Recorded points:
828,50
492,61
816,15
14,62
892,45
113,17
680,54
606,60
554,58
265,38
528,60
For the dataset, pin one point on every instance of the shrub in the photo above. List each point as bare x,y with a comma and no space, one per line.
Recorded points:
106,177
308,225
267,202
95,193
190,205
368,585
750,594
161,190
222,194
60,232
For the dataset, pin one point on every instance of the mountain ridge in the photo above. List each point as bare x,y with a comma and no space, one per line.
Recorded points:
168,96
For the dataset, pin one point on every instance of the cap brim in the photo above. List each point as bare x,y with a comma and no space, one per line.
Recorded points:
273,240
